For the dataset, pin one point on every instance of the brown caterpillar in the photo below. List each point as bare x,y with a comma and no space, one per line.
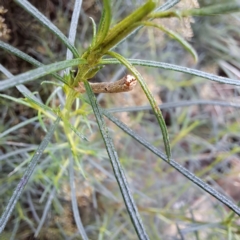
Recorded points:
125,84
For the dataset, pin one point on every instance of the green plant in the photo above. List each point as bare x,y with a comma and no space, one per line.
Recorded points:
89,63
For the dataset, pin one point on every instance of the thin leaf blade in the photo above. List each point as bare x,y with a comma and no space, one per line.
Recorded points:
176,37
151,100
193,178
76,214
215,9
105,22
48,24
177,68
26,176
39,72
222,8
73,27
117,168
126,26
26,57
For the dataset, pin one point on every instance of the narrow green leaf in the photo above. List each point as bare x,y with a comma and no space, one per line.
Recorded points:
74,201
29,104
73,26
123,28
94,31
31,99
177,68
37,104
168,4
47,23
27,58
181,237
223,8
21,88
117,168
19,54
175,36
31,166
39,72
104,22
41,122
194,179
17,100
184,131
150,97
14,128
51,83
175,105
69,125
46,210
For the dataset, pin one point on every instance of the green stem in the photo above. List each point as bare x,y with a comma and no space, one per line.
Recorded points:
70,99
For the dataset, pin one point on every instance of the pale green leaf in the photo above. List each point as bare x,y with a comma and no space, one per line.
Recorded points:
175,36
116,165
150,97
39,72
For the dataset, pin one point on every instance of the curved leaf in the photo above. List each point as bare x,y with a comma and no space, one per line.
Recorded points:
151,99
175,36
94,31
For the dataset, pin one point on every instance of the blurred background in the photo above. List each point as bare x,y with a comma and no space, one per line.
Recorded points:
204,138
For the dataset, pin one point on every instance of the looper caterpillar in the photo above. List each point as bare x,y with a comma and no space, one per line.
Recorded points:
125,84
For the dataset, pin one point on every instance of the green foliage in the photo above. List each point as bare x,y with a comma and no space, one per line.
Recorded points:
89,63
176,37
104,24
223,8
